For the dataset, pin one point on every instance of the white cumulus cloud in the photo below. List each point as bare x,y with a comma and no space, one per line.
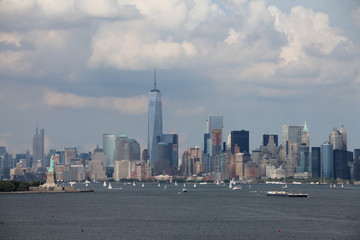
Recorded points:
131,105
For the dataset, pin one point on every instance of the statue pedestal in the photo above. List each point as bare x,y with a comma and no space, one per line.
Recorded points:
50,180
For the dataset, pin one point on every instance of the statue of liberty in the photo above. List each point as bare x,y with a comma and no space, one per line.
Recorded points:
52,164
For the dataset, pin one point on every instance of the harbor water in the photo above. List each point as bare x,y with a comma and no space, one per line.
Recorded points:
205,212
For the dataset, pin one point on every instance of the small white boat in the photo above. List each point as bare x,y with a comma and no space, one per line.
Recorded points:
165,187
237,188
342,185
109,187
203,183
158,184
230,185
249,186
184,185
184,190
285,186
142,185
87,182
134,184
334,185
104,185
86,185
194,185
175,184
217,182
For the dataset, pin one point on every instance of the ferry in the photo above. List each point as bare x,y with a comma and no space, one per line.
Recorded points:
286,194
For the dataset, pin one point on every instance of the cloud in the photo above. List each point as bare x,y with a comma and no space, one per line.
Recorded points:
305,30
6,134
185,112
24,106
356,16
131,105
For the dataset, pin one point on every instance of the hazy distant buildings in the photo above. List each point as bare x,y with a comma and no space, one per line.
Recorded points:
97,165
38,150
304,152
213,137
327,160
338,138
126,149
266,139
357,164
291,133
155,125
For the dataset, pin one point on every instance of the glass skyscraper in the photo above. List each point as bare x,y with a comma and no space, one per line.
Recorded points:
155,126
291,134
327,160
109,148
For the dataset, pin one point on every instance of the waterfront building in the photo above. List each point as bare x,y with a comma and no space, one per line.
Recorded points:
241,139
109,149
172,141
196,159
291,133
327,160
315,162
162,158
304,153
155,124
122,170
186,165
356,164
341,168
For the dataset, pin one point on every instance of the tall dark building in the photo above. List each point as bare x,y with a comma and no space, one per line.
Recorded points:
357,164
206,137
240,138
172,141
341,168
315,162
266,138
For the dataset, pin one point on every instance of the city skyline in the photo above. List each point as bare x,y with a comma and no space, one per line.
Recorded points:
239,59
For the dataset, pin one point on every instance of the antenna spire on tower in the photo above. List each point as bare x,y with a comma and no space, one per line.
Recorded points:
154,78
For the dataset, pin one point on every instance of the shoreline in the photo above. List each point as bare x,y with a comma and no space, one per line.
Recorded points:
37,192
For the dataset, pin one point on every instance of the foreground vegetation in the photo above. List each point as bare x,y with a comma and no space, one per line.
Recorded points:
14,186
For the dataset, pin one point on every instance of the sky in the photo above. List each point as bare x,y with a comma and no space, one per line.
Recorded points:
83,68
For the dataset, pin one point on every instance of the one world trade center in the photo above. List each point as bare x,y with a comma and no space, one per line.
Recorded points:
155,127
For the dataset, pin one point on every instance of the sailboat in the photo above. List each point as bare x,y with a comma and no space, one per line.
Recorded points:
158,184
165,187
217,182
184,185
109,187
285,186
142,185
86,184
176,184
230,184
104,185
194,185
134,184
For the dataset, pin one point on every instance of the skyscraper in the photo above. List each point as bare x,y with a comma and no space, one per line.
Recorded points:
38,149
315,162
291,134
327,160
109,149
155,127
305,159
336,139
214,139
240,138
